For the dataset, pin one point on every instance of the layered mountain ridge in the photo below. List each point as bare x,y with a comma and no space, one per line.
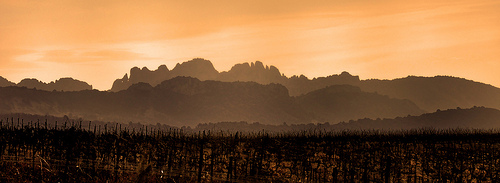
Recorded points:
429,93
255,71
195,92
189,101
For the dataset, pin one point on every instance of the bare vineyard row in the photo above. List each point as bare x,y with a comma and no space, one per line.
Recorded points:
38,152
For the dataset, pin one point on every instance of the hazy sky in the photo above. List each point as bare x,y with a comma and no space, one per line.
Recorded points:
99,41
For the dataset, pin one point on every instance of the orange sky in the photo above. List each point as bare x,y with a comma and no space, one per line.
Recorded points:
99,41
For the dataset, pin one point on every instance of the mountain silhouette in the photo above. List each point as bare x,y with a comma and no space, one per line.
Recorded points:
472,118
299,85
439,92
179,101
197,68
189,101
455,119
342,102
63,84
429,93
247,92
256,72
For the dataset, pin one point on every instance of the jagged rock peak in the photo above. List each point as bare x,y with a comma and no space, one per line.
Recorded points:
134,71
125,77
196,63
198,68
162,68
257,65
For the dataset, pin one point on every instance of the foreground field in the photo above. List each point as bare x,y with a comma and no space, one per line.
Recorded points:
34,153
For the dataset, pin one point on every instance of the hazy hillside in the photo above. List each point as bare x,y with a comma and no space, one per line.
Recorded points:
188,101
318,99
473,118
179,101
440,92
429,93
342,102
477,118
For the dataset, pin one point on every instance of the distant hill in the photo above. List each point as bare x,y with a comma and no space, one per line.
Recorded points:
440,92
473,118
63,84
188,101
4,82
465,119
342,102
429,93
179,101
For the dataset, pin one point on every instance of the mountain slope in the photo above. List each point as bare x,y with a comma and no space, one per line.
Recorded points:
440,92
476,118
342,102
179,101
452,119
4,82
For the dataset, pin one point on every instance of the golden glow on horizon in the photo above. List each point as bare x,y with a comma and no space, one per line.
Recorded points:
99,41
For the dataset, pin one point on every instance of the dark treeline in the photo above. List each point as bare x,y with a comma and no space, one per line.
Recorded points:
76,154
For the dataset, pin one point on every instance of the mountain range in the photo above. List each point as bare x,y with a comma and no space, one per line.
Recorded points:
195,92
429,93
188,101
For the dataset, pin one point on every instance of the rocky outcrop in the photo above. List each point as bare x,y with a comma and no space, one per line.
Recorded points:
197,68
255,72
